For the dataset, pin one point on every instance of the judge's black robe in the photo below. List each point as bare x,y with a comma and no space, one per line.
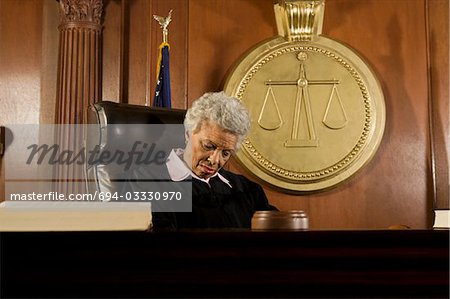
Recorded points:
214,205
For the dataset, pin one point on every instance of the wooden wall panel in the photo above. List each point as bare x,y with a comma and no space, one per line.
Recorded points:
138,47
208,36
20,65
438,17
220,31
393,188
391,36
49,65
111,51
20,60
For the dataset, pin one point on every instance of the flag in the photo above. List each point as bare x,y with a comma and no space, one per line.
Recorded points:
162,92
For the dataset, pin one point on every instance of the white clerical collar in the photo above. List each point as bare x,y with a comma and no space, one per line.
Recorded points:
179,171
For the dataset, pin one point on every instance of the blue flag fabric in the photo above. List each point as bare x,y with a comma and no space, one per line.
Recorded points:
162,92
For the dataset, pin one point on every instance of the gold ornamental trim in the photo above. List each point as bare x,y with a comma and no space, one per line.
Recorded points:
299,20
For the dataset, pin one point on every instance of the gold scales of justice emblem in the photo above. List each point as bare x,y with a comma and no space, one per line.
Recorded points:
317,109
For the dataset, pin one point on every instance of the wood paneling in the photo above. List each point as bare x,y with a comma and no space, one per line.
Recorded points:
391,36
49,65
20,60
111,51
220,32
20,65
208,37
438,18
138,46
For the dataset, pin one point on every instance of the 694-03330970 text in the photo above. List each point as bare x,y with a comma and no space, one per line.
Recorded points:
140,196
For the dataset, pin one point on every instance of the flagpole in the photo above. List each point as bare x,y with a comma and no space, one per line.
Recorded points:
162,96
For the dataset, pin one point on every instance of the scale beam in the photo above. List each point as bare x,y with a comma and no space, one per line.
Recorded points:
310,82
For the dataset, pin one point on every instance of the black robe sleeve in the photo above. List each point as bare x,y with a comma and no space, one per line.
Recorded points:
137,182
214,204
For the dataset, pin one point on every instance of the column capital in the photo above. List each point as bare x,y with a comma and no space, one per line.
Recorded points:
81,12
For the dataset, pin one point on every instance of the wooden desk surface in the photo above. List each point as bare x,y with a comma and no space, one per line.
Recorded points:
226,263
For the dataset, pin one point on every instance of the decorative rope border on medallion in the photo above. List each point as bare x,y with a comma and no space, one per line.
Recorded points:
326,172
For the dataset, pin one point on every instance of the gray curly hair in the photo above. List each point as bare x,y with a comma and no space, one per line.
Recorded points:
228,112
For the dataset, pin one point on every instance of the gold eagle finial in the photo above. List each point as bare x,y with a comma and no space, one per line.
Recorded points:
164,23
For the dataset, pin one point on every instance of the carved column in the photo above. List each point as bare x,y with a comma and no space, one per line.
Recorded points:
79,82
79,65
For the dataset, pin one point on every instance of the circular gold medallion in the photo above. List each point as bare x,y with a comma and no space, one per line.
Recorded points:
317,112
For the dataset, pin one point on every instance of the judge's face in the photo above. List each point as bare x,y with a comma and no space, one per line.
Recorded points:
209,148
